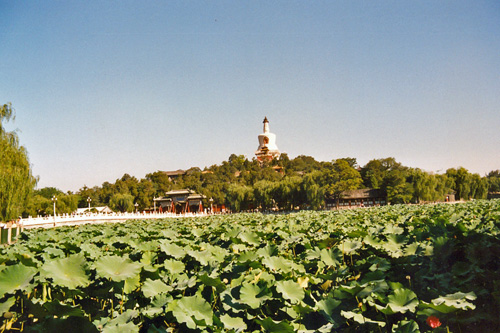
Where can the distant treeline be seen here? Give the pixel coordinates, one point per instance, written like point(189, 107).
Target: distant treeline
point(284, 183)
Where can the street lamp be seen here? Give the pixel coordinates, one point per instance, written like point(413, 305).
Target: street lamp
point(54, 199)
point(211, 205)
point(136, 204)
point(154, 204)
point(89, 200)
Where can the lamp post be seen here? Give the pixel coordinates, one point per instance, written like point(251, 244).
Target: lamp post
point(211, 205)
point(54, 199)
point(136, 205)
point(154, 204)
point(89, 200)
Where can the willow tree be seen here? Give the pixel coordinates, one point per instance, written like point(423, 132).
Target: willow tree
point(16, 180)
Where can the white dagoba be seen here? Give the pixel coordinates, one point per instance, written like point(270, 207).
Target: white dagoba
point(267, 149)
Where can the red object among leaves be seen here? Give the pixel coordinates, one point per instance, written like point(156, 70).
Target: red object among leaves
point(433, 321)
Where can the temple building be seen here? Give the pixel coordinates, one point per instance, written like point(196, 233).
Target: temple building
point(267, 149)
point(181, 202)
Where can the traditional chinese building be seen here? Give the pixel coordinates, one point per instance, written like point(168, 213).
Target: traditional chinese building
point(366, 197)
point(267, 149)
point(180, 202)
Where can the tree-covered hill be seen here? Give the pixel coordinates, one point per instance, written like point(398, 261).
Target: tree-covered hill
point(242, 184)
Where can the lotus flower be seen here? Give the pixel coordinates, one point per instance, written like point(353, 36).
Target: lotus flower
point(433, 321)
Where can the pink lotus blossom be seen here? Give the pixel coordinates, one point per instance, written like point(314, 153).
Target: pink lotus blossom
point(433, 321)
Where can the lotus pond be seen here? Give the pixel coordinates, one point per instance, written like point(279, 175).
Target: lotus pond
point(386, 269)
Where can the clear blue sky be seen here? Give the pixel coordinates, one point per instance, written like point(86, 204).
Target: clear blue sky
point(103, 88)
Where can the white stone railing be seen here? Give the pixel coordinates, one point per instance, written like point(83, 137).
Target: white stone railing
point(66, 219)
point(13, 229)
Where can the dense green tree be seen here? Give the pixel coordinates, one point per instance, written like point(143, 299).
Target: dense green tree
point(239, 197)
point(93, 193)
point(263, 193)
point(493, 181)
point(16, 180)
point(314, 193)
point(146, 193)
point(375, 172)
point(479, 187)
point(341, 177)
point(127, 184)
point(161, 182)
point(106, 192)
point(41, 202)
point(38, 205)
point(303, 164)
point(122, 202)
point(288, 194)
point(461, 181)
point(424, 185)
point(398, 190)
point(191, 180)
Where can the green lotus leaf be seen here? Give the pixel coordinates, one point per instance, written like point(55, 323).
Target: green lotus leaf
point(120, 328)
point(391, 229)
point(131, 284)
point(69, 324)
point(290, 290)
point(379, 264)
point(250, 238)
point(253, 295)
point(372, 240)
point(174, 266)
point(168, 233)
point(230, 303)
point(270, 325)
point(411, 249)
point(231, 323)
point(267, 251)
point(360, 319)
point(91, 250)
point(402, 300)
point(148, 259)
point(326, 307)
point(172, 249)
point(278, 264)
point(161, 300)
point(54, 252)
point(218, 253)
point(331, 257)
point(117, 268)
point(406, 326)
point(452, 302)
point(203, 257)
point(212, 282)
point(350, 246)
point(394, 245)
point(194, 311)
point(197, 233)
point(16, 277)
point(122, 323)
point(184, 281)
point(5, 306)
point(152, 288)
point(313, 254)
point(67, 272)
point(458, 300)
point(59, 309)
point(374, 286)
point(248, 256)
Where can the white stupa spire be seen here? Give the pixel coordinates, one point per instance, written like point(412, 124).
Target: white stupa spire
point(267, 149)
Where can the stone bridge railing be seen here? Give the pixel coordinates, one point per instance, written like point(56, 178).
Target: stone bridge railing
point(10, 231)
